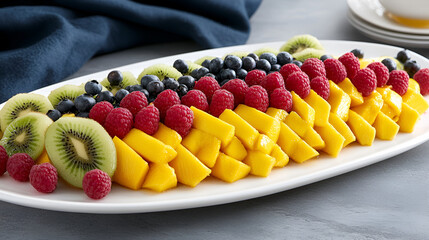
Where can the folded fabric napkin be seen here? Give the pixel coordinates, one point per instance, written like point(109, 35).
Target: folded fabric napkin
point(42, 42)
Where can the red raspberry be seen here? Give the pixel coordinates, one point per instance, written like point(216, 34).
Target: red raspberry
point(3, 160)
point(96, 184)
point(352, 64)
point(288, 69)
point(422, 77)
point(381, 71)
point(179, 118)
point(314, 67)
point(197, 99)
point(272, 81)
point(335, 70)
point(208, 86)
point(257, 97)
point(282, 99)
point(238, 88)
point(255, 77)
point(222, 99)
point(399, 81)
point(321, 86)
point(19, 166)
point(147, 120)
point(119, 122)
point(365, 81)
point(299, 83)
point(134, 101)
point(100, 110)
point(165, 100)
point(44, 177)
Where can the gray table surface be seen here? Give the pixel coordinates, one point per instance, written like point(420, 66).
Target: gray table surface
point(387, 200)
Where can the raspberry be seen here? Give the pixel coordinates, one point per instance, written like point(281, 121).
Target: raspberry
point(254, 77)
point(313, 67)
point(147, 120)
point(3, 160)
point(257, 97)
point(208, 86)
point(321, 86)
point(399, 81)
point(100, 110)
point(179, 118)
point(238, 88)
point(299, 83)
point(119, 122)
point(422, 77)
point(96, 184)
point(272, 81)
point(288, 69)
point(134, 101)
point(335, 70)
point(197, 99)
point(282, 99)
point(365, 81)
point(19, 166)
point(352, 64)
point(44, 177)
point(222, 99)
point(381, 72)
point(165, 100)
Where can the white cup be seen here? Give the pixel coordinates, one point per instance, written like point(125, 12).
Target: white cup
point(412, 9)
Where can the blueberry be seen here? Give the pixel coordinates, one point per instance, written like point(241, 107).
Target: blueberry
point(232, 62)
point(389, 63)
point(120, 94)
point(151, 99)
point(270, 57)
point(210, 75)
point(105, 96)
point(83, 114)
point(146, 93)
point(189, 81)
point(324, 57)
point(134, 88)
point(54, 114)
point(182, 90)
point(93, 87)
point(201, 72)
point(254, 56)
point(227, 74)
point(115, 78)
point(411, 67)
point(248, 63)
point(216, 64)
point(275, 67)
point(170, 83)
point(181, 66)
point(298, 63)
point(65, 106)
point(358, 53)
point(263, 64)
point(147, 79)
point(155, 87)
point(224, 81)
point(206, 63)
point(403, 56)
point(84, 102)
point(284, 58)
point(194, 73)
point(241, 73)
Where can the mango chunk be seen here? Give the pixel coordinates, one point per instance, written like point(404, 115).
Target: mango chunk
point(203, 145)
point(408, 118)
point(304, 110)
point(229, 169)
point(43, 158)
point(243, 130)
point(415, 100)
point(168, 136)
point(303, 152)
point(282, 159)
point(189, 170)
point(339, 101)
point(160, 177)
point(307, 133)
point(276, 113)
point(355, 96)
point(235, 149)
point(364, 62)
point(321, 108)
point(385, 127)
point(392, 102)
point(364, 132)
point(213, 125)
point(260, 163)
point(342, 128)
point(414, 85)
point(334, 141)
point(264, 144)
point(260, 121)
point(150, 148)
point(370, 108)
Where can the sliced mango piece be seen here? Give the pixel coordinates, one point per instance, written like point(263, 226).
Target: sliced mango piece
point(339, 101)
point(282, 159)
point(414, 85)
point(43, 158)
point(408, 118)
point(276, 113)
point(342, 128)
point(364, 62)
point(229, 169)
point(203, 145)
point(168, 136)
point(260, 163)
point(243, 130)
point(370, 108)
point(264, 144)
point(304, 110)
point(160, 177)
point(334, 141)
point(235, 149)
point(392, 102)
point(307, 133)
point(385, 127)
point(364, 132)
point(303, 152)
point(355, 96)
point(321, 108)
point(415, 100)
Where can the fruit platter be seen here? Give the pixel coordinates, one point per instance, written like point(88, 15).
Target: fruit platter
point(211, 127)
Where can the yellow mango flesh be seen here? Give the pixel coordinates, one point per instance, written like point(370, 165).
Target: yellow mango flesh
point(408, 118)
point(235, 149)
point(392, 102)
point(203, 145)
point(282, 159)
point(43, 158)
point(355, 96)
point(303, 152)
point(229, 169)
point(321, 108)
point(342, 128)
point(131, 169)
point(264, 144)
point(160, 177)
point(385, 127)
point(339, 101)
point(364, 62)
point(189, 170)
point(370, 108)
point(304, 110)
point(276, 113)
point(307, 133)
point(168, 136)
point(260, 163)
point(415, 100)
point(414, 85)
point(333, 139)
point(243, 130)
point(364, 132)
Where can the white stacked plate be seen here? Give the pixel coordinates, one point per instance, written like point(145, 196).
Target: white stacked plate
point(369, 17)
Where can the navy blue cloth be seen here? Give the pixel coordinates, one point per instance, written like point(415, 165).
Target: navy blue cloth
point(42, 42)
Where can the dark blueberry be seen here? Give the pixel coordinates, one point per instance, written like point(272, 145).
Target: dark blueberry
point(83, 114)
point(206, 63)
point(254, 56)
point(93, 87)
point(224, 81)
point(65, 106)
point(358, 53)
point(115, 78)
point(105, 96)
point(182, 90)
point(181, 66)
point(411, 67)
point(275, 67)
point(216, 64)
point(241, 73)
point(210, 75)
point(194, 73)
point(120, 94)
point(248, 63)
point(403, 56)
point(84, 102)
point(389, 63)
point(284, 58)
point(146, 93)
point(324, 57)
point(232, 62)
point(227, 74)
point(151, 99)
point(134, 88)
point(147, 79)
point(201, 72)
point(270, 57)
point(298, 63)
point(155, 87)
point(189, 81)
point(54, 114)
point(263, 64)
point(170, 83)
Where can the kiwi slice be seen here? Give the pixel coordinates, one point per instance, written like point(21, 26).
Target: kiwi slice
point(65, 92)
point(192, 66)
point(265, 50)
point(78, 145)
point(21, 104)
point(161, 71)
point(128, 79)
point(308, 53)
point(240, 54)
point(301, 42)
point(26, 134)
point(200, 61)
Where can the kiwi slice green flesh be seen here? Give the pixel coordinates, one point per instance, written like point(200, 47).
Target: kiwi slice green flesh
point(266, 50)
point(65, 92)
point(240, 54)
point(26, 134)
point(161, 71)
point(21, 104)
point(200, 61)
point(192, 66)
point(308, 53)
point(301, 42)
point(128, 79)
point(78, 145)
